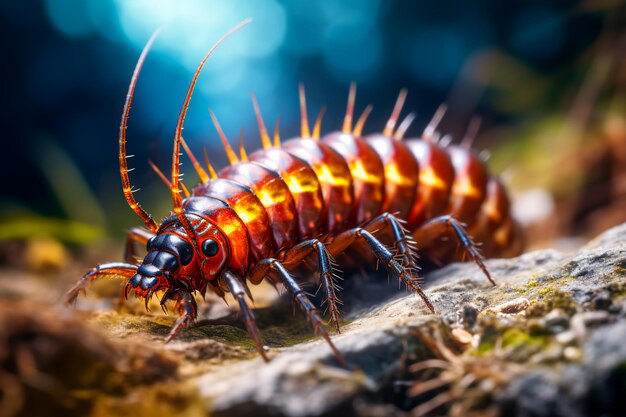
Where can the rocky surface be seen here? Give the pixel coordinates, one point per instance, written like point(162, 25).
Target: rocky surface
point(548, 340)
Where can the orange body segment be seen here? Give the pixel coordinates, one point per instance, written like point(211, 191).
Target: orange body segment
point(333, 174)
point(275, 196)
point(249, 209)
point(401, 174)
point(469, 187)
point(367, 174)
point(436, 175)
point(494, 212)
point(302, 182)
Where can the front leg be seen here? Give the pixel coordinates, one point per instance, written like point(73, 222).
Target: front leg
point(111, 269)
point(238, 290)
point(187, 309)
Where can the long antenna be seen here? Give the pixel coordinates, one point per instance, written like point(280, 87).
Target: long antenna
point(178, 201)
point(126, 187)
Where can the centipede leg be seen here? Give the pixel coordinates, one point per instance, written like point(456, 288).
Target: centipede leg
point(187, 309)
point(434, 228)
point(270, 266)
point(111, 269)
point(403, 242)
point(383, 255)
point(324, 263)
point(135, 236)
point(238, 291)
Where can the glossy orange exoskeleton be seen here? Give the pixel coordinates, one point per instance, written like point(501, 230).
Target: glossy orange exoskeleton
point(263, 215)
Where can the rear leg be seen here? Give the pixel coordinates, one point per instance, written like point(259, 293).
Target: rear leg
point(433, 229)
point(407, 275)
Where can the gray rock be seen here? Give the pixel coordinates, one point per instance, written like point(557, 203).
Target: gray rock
point(304, 379)
point(596, 387)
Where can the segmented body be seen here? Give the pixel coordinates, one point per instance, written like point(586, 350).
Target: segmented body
point(312, 188)
point(265, 214)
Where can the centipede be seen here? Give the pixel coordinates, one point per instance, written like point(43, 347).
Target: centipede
point(309, 200)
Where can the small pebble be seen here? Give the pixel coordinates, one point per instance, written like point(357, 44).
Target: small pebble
point(468, 316)
point(462, 336)
point(595, 318)
point(572, 353)
point(535, 326)
point(552, 353)
point(566, 338)
point(510, 307)
point(581, 321)
point(556, 321)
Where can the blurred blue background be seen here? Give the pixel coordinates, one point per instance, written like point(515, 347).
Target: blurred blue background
point(67, 64)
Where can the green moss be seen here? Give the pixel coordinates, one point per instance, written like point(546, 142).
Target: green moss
point(519, 290)
point(280, 336)
point(536, 309)
point(485, 347)
point(546, 290)
point(532, 284)
point(517, 337)
point(552, 297)
point(491, 329)
point(227, 334)
point(559, 299)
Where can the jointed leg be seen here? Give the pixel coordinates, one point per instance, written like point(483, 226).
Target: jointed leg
point(272, 266)
point(434, 228)
point(383, 255)
point(238, 291)
point(111, 269)
point(186, 308)
point(403, 242)
point(324, 264)
point(136, 235)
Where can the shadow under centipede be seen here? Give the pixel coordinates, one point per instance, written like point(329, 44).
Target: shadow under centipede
point(282, 324)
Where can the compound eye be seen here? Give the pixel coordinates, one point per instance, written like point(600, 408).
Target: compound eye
point(210, 247)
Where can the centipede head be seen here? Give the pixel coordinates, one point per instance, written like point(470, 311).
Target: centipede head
point(176, 260)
